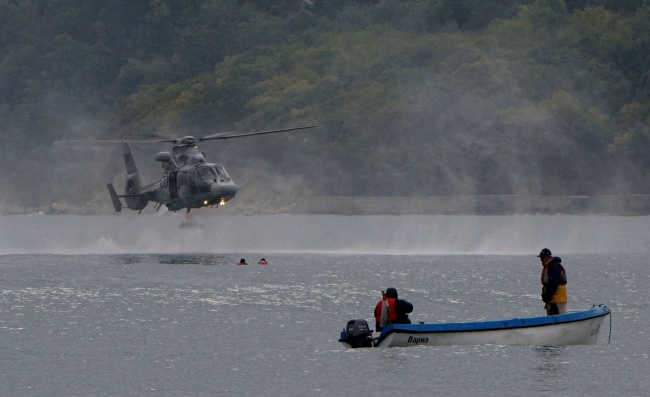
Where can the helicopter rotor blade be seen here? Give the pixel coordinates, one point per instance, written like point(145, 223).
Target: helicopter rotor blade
point(225, 135)
point(97, 141)
point(188, 140)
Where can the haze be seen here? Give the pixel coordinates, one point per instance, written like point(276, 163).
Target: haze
point(372, 235)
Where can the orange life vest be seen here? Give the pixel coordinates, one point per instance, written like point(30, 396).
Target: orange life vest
point(392, 313)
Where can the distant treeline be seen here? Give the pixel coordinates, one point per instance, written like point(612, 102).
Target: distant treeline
point(421, 97)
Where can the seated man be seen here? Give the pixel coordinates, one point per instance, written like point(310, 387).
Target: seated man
point(398, 310)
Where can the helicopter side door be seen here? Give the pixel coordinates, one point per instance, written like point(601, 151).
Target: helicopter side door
point(183, 184)
point(173, 187)
point(194, 188)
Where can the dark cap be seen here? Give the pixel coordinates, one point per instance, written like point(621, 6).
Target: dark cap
point(391, 293)
point(545, 252)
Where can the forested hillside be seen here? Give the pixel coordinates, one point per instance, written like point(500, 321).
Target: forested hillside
point(420, 97)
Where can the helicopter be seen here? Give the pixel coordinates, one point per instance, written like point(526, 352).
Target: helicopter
point(188, 181)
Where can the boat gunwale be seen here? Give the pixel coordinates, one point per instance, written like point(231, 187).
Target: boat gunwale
point(496, 325)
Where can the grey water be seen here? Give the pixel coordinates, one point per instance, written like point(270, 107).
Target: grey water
point(138, 306)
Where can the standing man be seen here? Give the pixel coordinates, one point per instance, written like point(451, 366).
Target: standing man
point(553, 283)
point(396, 310)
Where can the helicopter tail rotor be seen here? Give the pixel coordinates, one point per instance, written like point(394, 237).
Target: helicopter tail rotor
point(134, 199)
point(117, 204)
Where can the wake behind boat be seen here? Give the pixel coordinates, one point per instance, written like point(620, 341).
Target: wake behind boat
point(574, 328)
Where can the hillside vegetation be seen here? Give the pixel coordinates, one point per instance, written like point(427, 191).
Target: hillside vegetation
point(413, 98)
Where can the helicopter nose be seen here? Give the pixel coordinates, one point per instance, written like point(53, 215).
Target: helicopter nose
point(224, 190)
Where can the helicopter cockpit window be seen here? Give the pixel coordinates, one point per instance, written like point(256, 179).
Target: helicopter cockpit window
point(221, 172)
point(207, 174)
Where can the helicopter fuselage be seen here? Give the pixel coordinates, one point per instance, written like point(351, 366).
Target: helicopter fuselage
point(194, 186)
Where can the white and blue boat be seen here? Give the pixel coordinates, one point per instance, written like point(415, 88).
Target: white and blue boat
point(573, 328)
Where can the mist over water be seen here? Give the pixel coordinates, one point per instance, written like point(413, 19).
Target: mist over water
point(390, 235)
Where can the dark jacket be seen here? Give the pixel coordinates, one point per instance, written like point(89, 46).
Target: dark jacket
point(403, 308)
point(553, 276)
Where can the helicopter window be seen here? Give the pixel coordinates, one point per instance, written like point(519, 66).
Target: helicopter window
point(221, 172)
point(207, 173)
point(202, 178)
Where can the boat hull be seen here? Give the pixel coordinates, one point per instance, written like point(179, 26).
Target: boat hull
point(576, 328)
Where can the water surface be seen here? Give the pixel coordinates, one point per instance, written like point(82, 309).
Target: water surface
point(74, 322)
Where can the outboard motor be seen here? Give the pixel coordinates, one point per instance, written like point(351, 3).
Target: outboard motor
point(357, 334)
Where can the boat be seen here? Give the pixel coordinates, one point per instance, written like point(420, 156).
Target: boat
point(573, 328)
